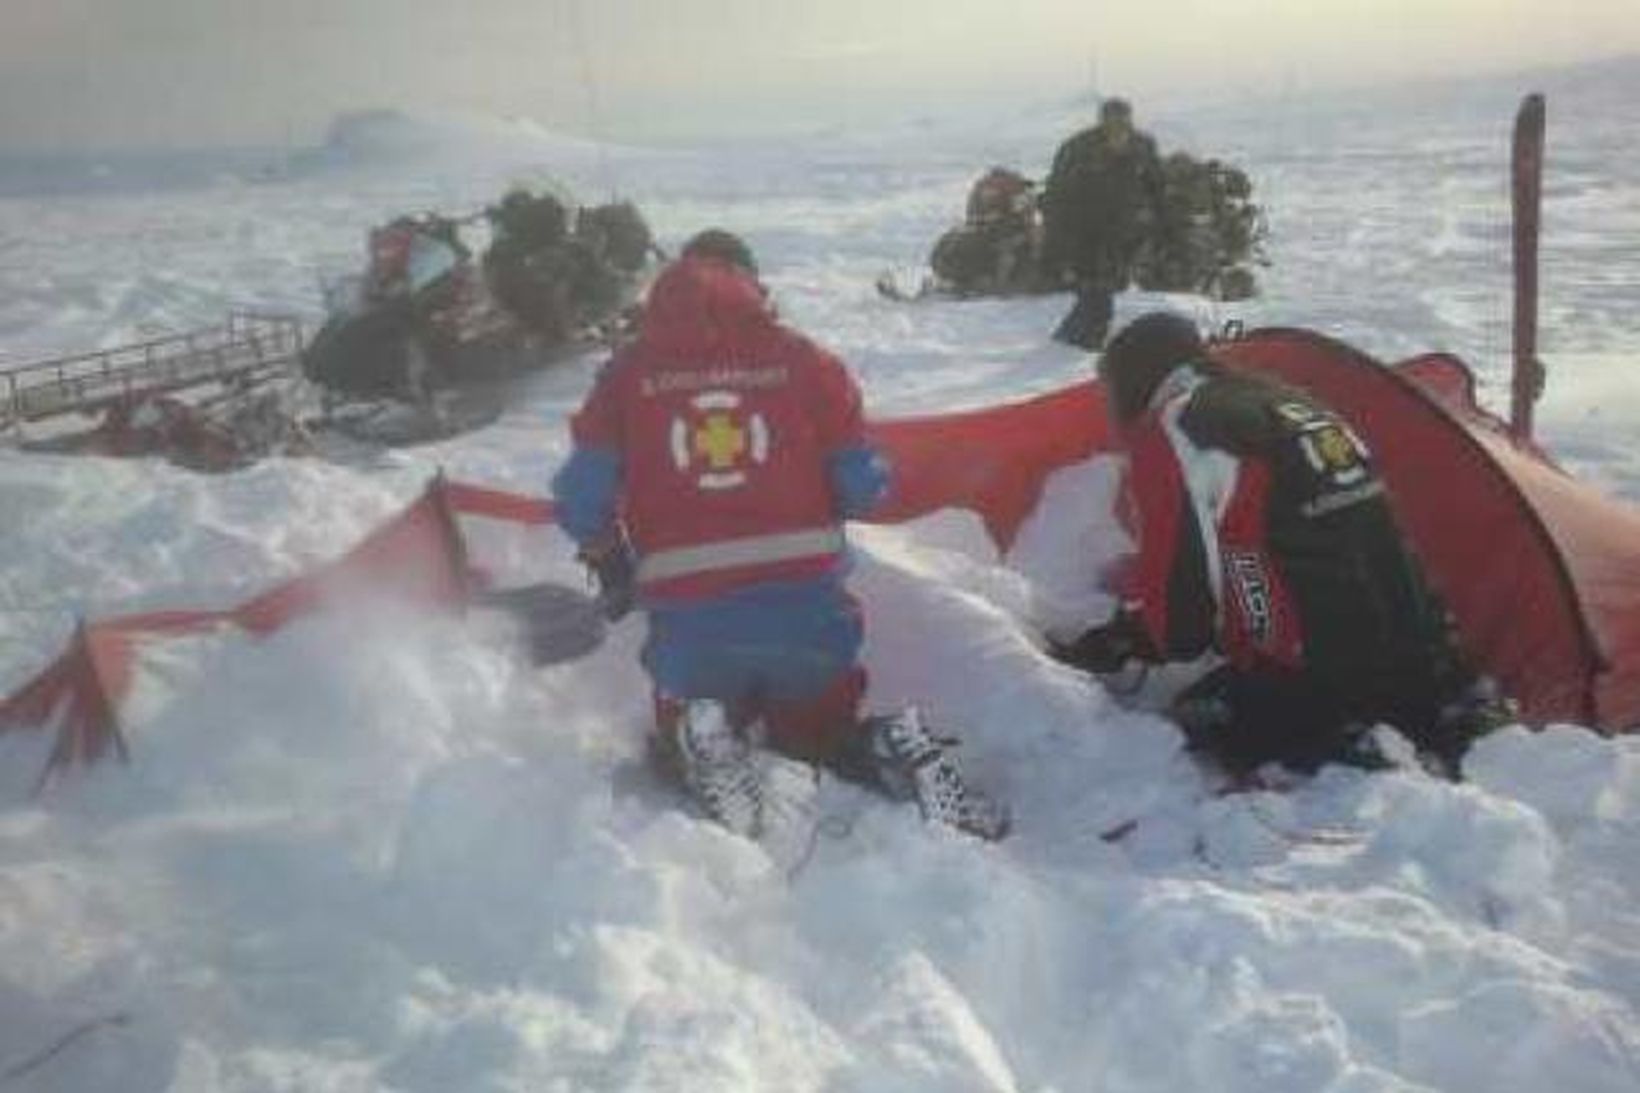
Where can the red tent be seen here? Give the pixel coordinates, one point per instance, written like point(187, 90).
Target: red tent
point(992, 461)
point(1541, 571)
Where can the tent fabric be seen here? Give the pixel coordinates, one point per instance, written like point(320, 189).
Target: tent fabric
point(991, 461)
point(1599, 541)
point(1542, 573)
point(418, 556)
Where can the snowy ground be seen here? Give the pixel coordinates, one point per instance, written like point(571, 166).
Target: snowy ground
point(383, 852)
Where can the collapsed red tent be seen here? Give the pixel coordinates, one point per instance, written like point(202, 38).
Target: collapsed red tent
point(991, 461)
point(1542, 572)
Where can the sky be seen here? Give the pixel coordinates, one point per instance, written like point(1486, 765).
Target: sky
point(136, 73)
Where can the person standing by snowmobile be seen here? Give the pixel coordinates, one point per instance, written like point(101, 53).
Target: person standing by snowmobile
point(714, 463)
point(1103, 193)
point(1264, 535)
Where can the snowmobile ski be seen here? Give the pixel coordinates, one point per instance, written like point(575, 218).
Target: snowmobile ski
point(890, 286)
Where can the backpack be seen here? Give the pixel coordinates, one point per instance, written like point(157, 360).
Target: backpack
point(1000, 195)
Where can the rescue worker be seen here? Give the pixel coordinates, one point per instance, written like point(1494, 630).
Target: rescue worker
point(1264, 535)
point(1103, 192)
point(714, 463)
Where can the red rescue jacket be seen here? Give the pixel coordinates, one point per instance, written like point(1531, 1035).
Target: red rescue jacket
point(723, 421)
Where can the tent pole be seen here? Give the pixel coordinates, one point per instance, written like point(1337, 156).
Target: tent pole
point(1526, 382)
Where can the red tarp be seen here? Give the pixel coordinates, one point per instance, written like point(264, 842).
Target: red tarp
point(1541, 572)
point(416, 556)
point(992, 461)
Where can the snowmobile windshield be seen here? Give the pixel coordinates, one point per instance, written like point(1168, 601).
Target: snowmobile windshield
point(430, 259)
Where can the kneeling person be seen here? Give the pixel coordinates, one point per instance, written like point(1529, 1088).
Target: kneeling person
point(714, 463)
point(1264, 534)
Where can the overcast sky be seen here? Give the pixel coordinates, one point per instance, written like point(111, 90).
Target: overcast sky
point(144, 72)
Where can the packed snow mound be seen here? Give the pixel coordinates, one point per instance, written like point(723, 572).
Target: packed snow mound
point(391, 136)
point(381, 851)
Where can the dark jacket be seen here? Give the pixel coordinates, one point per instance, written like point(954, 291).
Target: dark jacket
point(1265, 533)
point(1097, 203)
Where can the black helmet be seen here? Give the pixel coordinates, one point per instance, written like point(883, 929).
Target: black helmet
point(721, 246)
point(1141, 355)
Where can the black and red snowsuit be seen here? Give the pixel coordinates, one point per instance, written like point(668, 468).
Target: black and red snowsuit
point(1264, 534)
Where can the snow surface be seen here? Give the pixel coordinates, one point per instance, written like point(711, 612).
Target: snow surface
point(383, 852)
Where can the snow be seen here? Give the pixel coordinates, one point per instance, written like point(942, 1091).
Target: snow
point(383, 852)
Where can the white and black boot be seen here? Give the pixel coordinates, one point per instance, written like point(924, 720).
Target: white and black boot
point(913, 765)
point(719, 768)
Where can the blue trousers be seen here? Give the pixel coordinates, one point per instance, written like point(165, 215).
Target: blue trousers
point(784, 651)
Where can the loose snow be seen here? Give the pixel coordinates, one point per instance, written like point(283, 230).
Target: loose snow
point(382, 851)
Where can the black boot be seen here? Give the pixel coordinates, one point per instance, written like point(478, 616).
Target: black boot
point(909, 763)
point(1088, 320)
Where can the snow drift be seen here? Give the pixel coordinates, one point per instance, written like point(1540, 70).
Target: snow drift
point(379, 850)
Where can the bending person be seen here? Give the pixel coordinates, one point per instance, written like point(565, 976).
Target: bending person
point(1264, 535)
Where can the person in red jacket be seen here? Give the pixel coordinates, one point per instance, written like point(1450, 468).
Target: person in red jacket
point(1265, 536)
point(714, 463)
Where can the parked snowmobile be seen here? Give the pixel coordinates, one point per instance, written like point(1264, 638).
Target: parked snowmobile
point(419, 319)
point(431, 329)
point(996, 250)
point(1206, 237)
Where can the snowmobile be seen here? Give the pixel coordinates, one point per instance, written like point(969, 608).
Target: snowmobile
point(422, 343)
point(418, 321)
point(1206, 238)
point(995, 251)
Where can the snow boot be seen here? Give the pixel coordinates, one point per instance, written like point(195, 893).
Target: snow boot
point(911, 764)
point(719, 769)
point(1088, 320)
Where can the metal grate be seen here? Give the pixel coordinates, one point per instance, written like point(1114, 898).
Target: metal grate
point(247, 347)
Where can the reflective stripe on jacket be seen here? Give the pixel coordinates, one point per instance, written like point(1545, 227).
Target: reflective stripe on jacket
point(718, 439)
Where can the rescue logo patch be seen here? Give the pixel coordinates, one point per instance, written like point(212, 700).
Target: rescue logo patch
point(718, 441)
point(1334, 452)
point(1250, 583)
